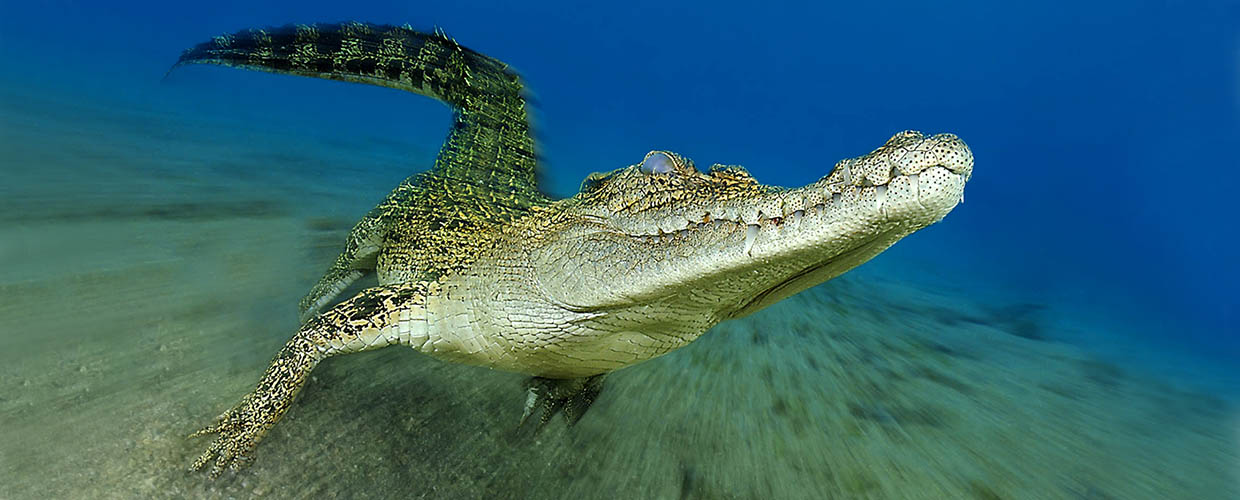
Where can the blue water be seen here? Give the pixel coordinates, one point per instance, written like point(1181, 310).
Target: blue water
point(1105, 133)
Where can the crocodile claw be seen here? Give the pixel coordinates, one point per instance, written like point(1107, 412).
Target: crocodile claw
point(239, 431)
point(572, 396)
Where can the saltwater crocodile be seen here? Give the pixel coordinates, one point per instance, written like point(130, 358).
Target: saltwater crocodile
point(476, 265)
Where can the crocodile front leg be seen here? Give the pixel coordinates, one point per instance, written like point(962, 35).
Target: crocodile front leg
point(374, 318)
point(242, 427)
point(355, 260)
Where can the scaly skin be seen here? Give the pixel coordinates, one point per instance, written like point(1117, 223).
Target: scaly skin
point(475, 265)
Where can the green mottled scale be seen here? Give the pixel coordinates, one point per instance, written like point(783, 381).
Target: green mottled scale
point(485, 174)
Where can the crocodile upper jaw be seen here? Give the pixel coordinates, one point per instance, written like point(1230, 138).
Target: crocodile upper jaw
point(731, 257)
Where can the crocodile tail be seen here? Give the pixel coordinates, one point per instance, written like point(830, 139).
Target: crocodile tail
point(430, 64)
point(490, 145)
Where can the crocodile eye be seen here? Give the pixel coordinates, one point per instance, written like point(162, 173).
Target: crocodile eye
point(657, 163)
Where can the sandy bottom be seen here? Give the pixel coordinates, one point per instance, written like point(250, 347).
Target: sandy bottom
point(131, 314)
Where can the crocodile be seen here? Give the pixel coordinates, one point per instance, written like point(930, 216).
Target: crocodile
point(476, 264)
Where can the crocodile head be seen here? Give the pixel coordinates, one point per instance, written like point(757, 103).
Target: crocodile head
point(670, 247)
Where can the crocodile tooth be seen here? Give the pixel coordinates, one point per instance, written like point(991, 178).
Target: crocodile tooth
point(751, 233)
point(912, 183)
point(835, 200)
point(880, 194)
point(844, 167)
point(796, 216)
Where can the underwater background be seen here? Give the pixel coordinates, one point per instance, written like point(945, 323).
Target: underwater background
point(1070, 331)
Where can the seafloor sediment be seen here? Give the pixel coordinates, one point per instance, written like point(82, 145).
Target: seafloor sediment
point(138, 309)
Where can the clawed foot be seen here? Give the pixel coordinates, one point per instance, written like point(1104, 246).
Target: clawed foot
point(239, 431)
point(573, 396)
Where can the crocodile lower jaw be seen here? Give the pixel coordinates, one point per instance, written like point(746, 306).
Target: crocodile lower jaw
point(816, 274)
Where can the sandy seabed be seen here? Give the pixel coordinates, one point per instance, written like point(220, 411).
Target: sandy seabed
point(138, 301)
